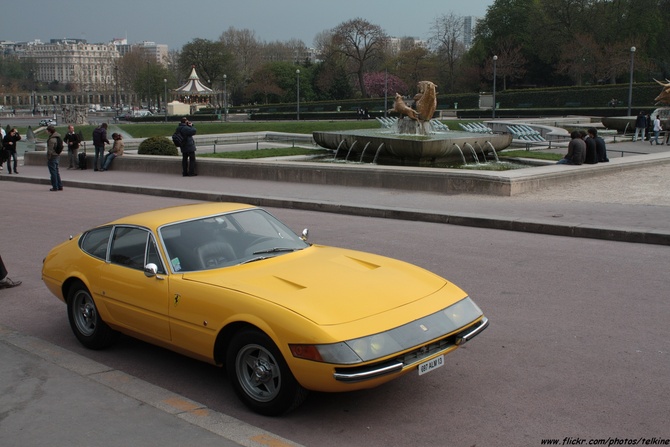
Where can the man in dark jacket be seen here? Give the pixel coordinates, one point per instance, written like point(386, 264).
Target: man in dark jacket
point(591, 157)
point(9, 144)
point(601, 147)
point(187, 148)
point(99, 140)
point(640, 125)
point(576, 150)
point(72, 140)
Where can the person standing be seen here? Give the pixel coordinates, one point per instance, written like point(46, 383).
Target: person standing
point(53, 159)
point(640, 125)
point(576, 150)
point(73, 141)
point(9, 144)
point(187, 130)
point(5, 281)
point(657, 130)
point(99, 140)
point(115, 151)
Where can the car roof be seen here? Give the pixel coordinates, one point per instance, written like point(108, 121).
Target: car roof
point(156, 218)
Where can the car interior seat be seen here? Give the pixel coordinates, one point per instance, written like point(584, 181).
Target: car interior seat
point(215, 254)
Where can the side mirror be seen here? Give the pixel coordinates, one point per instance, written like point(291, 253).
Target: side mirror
point(305, 235)
point(150, 270)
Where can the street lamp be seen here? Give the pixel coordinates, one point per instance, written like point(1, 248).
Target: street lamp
point(630, 84)
point(116, 91)
point(225, 97)
point(297, 75)
point(165, 101)
point(495, 59)
point(149, 85)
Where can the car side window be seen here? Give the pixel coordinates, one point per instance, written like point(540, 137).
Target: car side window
point(153, 255)
point(128, 248)
point(95, 242)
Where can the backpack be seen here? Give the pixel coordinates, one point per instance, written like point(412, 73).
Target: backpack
point(58, 147)
point(177, 138)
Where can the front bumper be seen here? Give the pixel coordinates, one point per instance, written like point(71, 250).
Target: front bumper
point(411, 358)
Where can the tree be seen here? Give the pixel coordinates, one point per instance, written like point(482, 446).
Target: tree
point(278, 82)
point(361, 43)
point(245, 48)
point(211, 60)
point(447, 41)
point(510, 64)
point(414, 63)
point(380, 84)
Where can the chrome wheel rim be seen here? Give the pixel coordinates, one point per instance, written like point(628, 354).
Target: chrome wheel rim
point(258, 373)
point(85, 314)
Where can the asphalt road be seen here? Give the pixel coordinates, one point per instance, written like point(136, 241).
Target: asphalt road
point(578, 344)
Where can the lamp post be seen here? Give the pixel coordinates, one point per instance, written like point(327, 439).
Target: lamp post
point(495, 59)
point(116, 92)
point(165, 100)
point(225, 97)
point(297, 75)
point(149, 85)
point(630, 84)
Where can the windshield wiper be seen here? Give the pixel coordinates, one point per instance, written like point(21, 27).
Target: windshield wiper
point(275, 250)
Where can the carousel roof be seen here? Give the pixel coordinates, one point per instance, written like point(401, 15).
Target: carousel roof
point(193, 86)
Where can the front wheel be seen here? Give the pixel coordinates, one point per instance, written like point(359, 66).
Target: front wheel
point(260, 376)
point(85, 320)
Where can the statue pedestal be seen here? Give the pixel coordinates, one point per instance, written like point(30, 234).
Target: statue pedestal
point(407, 126)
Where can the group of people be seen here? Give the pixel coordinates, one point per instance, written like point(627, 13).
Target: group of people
point(646, 124)
point(585, 147)
point(101, 160)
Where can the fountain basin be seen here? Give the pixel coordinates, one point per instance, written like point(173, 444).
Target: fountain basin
point(438, 145)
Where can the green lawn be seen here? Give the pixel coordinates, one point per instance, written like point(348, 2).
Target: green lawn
point(531, 154)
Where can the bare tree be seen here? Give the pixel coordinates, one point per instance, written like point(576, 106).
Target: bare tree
point(447, 41)
point(242, 43)
point(580, 59)
point(510, 64)
point(361, 43)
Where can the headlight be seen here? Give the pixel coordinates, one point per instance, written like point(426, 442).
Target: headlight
point(403, 337)
point(338, 353)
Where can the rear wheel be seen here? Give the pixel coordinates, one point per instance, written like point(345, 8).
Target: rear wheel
point(85, 320)
point(260, 376)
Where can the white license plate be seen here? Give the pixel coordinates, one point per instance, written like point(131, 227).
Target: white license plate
point(430, 365)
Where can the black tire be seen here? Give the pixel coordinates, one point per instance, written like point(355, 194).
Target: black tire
point(260, 376)
point(85, 320)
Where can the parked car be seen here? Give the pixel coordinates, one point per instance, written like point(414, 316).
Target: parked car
point(233, 286)
point(48, 122)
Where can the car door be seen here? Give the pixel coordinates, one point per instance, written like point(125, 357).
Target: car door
point(133, 300)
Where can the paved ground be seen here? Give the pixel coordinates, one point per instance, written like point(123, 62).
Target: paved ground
point(37, 377)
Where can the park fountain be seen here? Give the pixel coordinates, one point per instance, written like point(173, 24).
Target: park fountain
point(413, 139)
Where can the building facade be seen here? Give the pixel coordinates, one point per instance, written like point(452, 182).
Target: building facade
point(85, 66)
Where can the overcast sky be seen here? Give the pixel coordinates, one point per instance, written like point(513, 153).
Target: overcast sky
point(176, 23)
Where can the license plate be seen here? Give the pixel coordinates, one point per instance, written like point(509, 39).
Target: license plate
point(430, 365)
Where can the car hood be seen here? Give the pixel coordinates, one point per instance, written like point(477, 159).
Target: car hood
point(328, 285)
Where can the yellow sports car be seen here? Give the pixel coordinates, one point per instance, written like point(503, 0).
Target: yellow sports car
point(231, 285)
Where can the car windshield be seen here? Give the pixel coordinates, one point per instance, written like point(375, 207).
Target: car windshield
point(227, 239)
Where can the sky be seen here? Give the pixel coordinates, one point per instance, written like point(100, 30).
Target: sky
point(176, 23)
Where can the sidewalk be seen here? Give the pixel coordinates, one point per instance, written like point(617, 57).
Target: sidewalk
point(67, 400)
